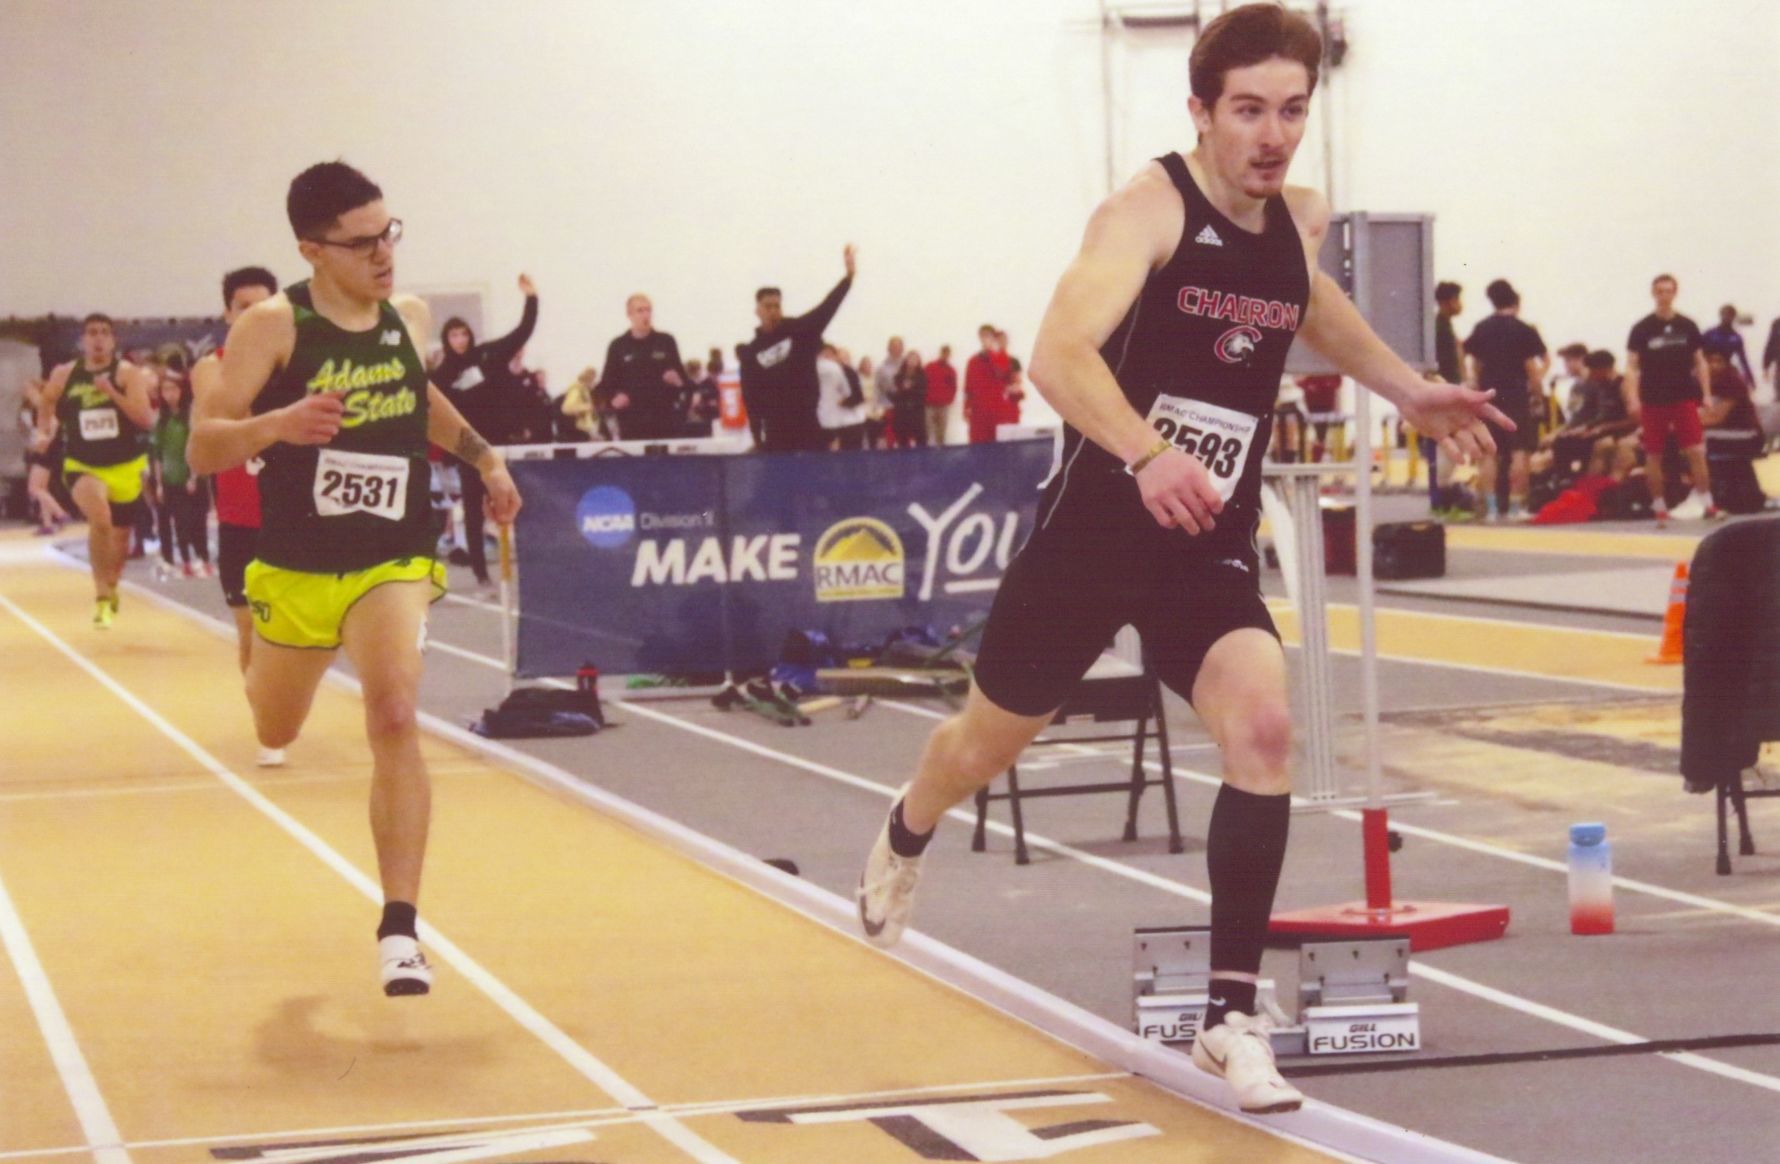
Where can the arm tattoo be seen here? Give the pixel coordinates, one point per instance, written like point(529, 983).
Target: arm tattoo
point(470, 447)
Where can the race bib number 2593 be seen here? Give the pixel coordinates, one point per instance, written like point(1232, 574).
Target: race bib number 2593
point(361, 483)
point(1219, 437)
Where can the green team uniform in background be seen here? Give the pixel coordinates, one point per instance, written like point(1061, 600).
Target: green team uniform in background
point(101, 441)
point(340, 519)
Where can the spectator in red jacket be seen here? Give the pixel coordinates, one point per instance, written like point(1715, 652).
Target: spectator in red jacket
point(986, 379)
point(942, 389)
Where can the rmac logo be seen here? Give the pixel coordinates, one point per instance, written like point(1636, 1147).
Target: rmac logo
point(857, 560)
point(606, 517)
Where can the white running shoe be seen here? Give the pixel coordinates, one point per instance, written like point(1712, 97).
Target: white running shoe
point(1239, 1051)
point(405, 968)
point(269, 758)
point(1693, 509)
point(886, 891)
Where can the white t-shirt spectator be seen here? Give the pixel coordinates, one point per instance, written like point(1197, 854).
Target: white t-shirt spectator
point(833, 388)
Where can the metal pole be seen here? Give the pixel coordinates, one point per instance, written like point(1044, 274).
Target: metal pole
point(509, 599)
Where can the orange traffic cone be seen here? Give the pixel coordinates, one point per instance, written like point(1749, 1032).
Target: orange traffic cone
point(1673, 618)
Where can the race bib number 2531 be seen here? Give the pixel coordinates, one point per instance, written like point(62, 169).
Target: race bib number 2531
point(361, 483)
point(1219, 437)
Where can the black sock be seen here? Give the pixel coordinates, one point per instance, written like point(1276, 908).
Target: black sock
point(904, 842)
point(398, 919)
point(1226, 995)
point(1245, 846)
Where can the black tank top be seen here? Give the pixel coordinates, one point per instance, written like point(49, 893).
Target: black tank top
point(361, 499)
point(95, 430)
point(1200, 354)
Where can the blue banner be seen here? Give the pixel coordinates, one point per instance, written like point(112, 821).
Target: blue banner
point(676, 565)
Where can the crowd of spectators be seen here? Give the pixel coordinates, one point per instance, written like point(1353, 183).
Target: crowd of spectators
point(1674, 432)
point(792, 389)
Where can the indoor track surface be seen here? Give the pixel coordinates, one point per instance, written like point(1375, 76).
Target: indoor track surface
point(191, 973)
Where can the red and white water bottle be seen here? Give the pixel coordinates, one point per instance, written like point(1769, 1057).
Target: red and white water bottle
point(1591, 880)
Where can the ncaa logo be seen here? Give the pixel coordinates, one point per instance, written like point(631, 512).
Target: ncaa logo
point(1238, 344)
point(606, 517)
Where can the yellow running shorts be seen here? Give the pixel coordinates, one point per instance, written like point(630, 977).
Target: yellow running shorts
point(123, 483)
point(293, 608)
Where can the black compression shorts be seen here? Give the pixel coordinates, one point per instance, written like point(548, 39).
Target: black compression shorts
point(234, 549)
point(1071, 588)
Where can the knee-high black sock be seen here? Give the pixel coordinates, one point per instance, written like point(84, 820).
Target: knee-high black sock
point(1244, 849)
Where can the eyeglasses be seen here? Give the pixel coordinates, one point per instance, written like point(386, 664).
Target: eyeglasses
point(367, 246)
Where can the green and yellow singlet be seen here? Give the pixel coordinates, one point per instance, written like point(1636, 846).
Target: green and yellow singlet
point(362, 498)
point(98, 433)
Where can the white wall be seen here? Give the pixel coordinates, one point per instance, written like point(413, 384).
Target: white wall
point(695, 150)
point(1577, 147)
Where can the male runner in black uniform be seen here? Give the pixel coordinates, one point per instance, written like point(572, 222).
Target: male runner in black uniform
point(325, 381)
point(1162, 350)
point(101, 404)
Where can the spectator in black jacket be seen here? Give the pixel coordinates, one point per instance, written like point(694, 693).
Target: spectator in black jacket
point(479, 382)
point(778, 368)
point(645, 377)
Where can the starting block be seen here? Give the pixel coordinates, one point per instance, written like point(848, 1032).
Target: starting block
point(1171, 982)
point(1352, 995)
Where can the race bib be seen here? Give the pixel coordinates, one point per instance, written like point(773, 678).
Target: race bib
point(361, 483)
point(1219, 437)
point(98, 424)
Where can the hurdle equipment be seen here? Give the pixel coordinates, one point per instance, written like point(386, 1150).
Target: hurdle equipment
point(1430, 925)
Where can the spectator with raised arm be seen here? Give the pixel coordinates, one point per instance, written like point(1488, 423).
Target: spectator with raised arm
point(778, 367)
point(477, 380)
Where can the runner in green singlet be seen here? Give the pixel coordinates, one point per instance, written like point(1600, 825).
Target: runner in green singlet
point(103, 408)
point(325, 383)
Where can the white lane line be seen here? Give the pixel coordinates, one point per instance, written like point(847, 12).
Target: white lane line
point(1479, 620)
point(478, 603)
point(595, 1117)
point(1630, 884)
point(289, 780)
point(1180, 889)
point(517, 1008)
point(1332, 1130)
point(102, 793)
point(95, 1119)
point(1589, 1026)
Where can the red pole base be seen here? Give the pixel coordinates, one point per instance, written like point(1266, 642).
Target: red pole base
point(1429, 925)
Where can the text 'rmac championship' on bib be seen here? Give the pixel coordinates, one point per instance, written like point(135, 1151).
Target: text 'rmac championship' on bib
point(1220, 437)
